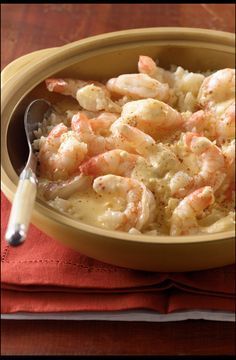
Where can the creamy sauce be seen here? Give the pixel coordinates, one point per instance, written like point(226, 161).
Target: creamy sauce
point(227, 222)
point(88, 207)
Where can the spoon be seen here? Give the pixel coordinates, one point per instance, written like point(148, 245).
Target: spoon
point(25, 195)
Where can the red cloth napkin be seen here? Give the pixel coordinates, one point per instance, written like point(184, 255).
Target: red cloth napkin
point(41, 275)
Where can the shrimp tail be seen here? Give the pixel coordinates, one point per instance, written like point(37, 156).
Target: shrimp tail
point(91, 167)
point(146, 65)
point(56, 85)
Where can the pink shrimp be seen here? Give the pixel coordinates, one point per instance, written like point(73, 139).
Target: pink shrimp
point(138, 86)
point(133, 138)
point(65, 86)
point(217, 88)
point(180, 82)
point(147, 65)
point(196, 122)
point(184, 217)
point(225, 127)
point(210, 160)
point(96, 144)
point(91, 95)
point(213, 124)
point(116, 162)
point(102, 123)
point(139, 203)
point(70, 86)
point(61, 153)
point(96, 98)
point(228, 186)
point(151, 116)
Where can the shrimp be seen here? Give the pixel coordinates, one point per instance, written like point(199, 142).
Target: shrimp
point(184, 85)
point(217, 88)
point(210, 161)
point(60, 153)
point(202, 122)
point(151, 116)
point(70, 86)
point(140, 202)
point(216, 123)
point(95, 98)
point(102, 123)
point(229, 153)
point(91, 95)
point(184, 217)
point(147, 65)
point(225, 127)
point(97, 144)
point(197, 122)
point(88, 131)
point(65, 86)
point(134, 138)
point(180, 80)
point(179, 183)
point(138, 86)
point(228, 186)
point(117, 162)
point(64, 188)
point(159, 156)
point(80, 124)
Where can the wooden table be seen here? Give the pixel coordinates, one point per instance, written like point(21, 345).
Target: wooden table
point(30, 27)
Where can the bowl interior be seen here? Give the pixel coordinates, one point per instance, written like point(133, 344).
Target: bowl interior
point(112, 61)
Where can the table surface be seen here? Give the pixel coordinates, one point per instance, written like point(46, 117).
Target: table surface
point(30, 27)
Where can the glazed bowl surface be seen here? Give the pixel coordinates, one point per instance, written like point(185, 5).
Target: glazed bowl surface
point(98, 58)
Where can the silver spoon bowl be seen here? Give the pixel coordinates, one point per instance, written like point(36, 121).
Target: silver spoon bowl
point(25, 195)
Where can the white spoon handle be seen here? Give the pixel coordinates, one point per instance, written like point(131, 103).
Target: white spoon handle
point(22, 208)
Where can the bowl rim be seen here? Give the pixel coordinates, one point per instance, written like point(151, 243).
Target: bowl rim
point(9, 187)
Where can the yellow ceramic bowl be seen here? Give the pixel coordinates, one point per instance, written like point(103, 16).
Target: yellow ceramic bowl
point(101, 57)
